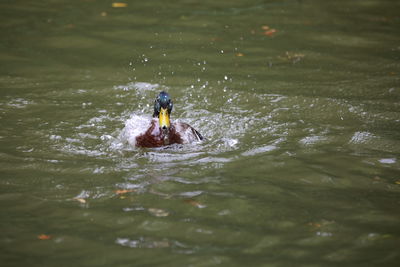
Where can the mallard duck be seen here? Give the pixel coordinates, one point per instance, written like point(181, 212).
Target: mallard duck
point(163, 132)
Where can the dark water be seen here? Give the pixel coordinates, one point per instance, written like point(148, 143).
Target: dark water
point(299, 102)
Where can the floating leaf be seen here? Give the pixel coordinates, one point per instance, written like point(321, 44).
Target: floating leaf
point(377, 178)
point(158, 212)
point(270, 32)
point(81, 200)
point(265, 27)
point(195, 203)
point(216, 39)
point(123, 191)
point(239, 54)
point(119, 4)
point(70, 26)
point(321, 224)
point(44, 237)
point(314, 224)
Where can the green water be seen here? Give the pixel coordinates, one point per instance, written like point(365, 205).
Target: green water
point(302, 120)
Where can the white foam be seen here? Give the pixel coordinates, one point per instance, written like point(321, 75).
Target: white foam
point(361, 137)
point(259, 150)
point(19, 103)
point(136, 125)
point(141, 86)
point(388, 161)
point(312, 140)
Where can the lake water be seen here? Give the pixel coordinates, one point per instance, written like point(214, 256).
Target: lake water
point(299, 102)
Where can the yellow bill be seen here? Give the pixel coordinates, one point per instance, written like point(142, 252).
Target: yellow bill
point(164, 118)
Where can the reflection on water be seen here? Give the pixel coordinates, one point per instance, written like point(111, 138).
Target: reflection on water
point(298, 101)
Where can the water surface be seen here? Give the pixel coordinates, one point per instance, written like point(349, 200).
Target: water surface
point(299, 102)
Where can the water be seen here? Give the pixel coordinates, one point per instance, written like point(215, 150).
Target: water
point(298, 100)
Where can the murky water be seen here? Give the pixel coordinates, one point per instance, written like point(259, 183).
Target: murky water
point(299, 102)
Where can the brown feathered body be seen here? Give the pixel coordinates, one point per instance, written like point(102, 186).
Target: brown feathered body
point(178, 133)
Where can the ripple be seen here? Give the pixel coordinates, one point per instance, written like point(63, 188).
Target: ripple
point(263, 149)
point(191, 194)
point(259, 150)
point(368, 140)
point(141, 86)
point(230, 120)
point(361, 137)
point(388, 161)
point(163, 157)
point(142, 242)
point(312, 140)
point(19, 103)
point(213, 160)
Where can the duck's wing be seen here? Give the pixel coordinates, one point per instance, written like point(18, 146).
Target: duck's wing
point(187, 133)
point(199, 136)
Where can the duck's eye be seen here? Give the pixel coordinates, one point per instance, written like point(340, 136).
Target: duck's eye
point(170, 105)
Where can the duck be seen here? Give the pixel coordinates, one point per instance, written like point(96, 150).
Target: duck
point(162, 131)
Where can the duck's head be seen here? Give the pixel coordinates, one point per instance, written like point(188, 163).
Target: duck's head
point(162, 110)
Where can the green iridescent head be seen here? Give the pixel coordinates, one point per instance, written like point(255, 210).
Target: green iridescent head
point(162, 109)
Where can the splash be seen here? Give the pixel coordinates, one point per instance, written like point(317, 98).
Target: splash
point(134, 126)
point(229, 123)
